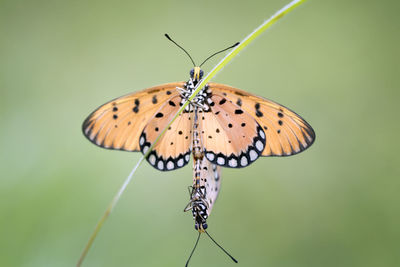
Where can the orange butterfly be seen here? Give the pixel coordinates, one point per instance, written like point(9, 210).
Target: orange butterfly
point(235, 127)
point(227, 126)
point(222, 126)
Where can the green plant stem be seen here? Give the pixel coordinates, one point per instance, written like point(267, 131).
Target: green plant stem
point(246, 41)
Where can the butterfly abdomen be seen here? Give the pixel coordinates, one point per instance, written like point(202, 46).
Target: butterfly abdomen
point(205, 189)
point(199, 212)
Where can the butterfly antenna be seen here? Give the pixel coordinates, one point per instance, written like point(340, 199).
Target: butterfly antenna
point(169, 38)
point(195, 245)
point(219, 52)
point(222, 248)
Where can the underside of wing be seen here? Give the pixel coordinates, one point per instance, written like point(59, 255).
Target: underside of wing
point(286, 132)
point(212, 175)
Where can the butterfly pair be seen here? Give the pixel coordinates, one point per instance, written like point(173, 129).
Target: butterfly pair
point(222, 127)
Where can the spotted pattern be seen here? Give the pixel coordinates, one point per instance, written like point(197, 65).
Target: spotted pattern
point(136, 107)
point(202, 99)
point(119, 123)
point(172, 151)
point(244, 158)
point(132, 122)
point(231, 137)
point(286, 132)
point(204, 192)
point(161, 163)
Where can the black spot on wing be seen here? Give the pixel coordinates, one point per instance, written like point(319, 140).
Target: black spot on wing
point(244, 158)
point(136, 107)
point(258, 112)
point(154, 99)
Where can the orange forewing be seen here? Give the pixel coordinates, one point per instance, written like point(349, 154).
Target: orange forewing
point(286, 132)
point(119, 123)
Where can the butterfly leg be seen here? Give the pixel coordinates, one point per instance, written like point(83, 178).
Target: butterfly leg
point(183, 92)
point(196, 195)
point(189, 206)
point(190, 189)
point(193, 198)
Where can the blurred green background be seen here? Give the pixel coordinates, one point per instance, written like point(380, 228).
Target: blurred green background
point(335, 63)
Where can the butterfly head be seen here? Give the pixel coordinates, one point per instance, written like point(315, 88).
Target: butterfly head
point(196, 74)
point(200, 226)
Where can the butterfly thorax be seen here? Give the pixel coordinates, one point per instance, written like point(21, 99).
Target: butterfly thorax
point(202, 100)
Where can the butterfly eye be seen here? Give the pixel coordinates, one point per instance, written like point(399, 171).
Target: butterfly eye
point(191, 73)
point(201, 73)
point(205, 226)
point(196, 227)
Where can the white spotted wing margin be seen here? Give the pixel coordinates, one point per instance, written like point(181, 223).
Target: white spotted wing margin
point(173, 149)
